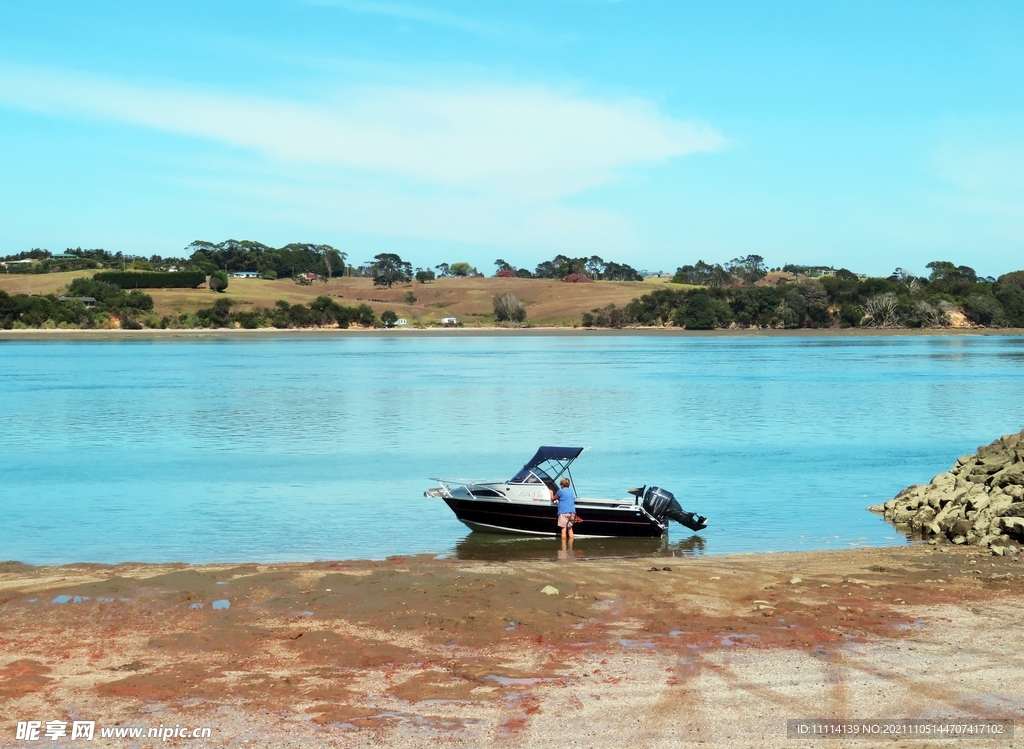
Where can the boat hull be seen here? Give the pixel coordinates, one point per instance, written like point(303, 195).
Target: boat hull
point(542, 520)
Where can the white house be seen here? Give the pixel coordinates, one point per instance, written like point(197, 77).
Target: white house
point(401, 321)
point(245, 274)
point(449, 321)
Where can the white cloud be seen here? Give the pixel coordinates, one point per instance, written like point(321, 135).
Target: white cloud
point(411, 13)
point(475, 163)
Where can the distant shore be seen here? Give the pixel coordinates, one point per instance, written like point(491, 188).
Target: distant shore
point(38, 334)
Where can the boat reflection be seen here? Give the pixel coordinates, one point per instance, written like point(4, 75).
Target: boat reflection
point(494, 547)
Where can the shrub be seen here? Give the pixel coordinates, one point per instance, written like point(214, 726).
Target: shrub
point(506, 273)
point(982, 309)
point(578, 278)
point(388, 318)
point(218, 281)
point(699, 313)
point(269, 275)
point(508, 308)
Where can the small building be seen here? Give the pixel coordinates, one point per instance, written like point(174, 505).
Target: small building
point(245, 274)
point(401, 321)
point(449, 321)
point(88, 301)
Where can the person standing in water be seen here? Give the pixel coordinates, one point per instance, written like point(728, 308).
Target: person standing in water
point(566, 499)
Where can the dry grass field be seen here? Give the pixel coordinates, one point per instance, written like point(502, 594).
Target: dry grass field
point(468, 299)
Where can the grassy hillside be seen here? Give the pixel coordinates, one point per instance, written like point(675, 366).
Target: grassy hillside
point(468, 299)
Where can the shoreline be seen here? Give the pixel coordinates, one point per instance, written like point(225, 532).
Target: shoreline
point(414, 651)
point(265, 333)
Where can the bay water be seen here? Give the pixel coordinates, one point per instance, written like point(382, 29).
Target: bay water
point(296, 449)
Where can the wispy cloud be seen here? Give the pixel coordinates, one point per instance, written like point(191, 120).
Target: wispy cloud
point(506, 155)
point(428, 15)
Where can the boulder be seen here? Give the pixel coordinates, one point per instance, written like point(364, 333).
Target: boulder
point(1012, 476)
point(978, 502)
point(960, 527)
point(1013, 526)
point(1015, 510)
point(922, 517)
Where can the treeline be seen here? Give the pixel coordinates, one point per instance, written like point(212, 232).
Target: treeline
point(98, 305)
point(270, 262)
point(321, 312)
point(563, 268)
point(843, 300)
point(87, 304)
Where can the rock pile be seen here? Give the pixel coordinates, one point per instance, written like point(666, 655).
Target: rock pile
point(979, 502)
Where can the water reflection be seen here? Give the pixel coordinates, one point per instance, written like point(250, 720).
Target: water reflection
point(493, 547)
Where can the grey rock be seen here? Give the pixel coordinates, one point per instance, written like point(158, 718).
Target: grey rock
point(922, 517)
point(1013, 526)
point(1012, 476)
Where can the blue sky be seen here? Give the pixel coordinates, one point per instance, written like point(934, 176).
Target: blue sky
point(867, 135)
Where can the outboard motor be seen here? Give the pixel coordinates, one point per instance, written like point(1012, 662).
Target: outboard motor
point(662, 504)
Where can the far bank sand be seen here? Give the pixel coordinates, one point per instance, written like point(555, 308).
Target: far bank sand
point(713, 652)
point(268, 333)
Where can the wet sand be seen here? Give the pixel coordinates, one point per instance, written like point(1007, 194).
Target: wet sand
point(416, 651)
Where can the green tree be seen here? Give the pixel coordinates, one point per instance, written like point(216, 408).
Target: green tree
point(461, 269)
point(410, 298)
point(388, 318)
point(270, 275)
point(219, 281)
point(334, 261)
point(424, 275)
point(699, 313)
point(389, 269)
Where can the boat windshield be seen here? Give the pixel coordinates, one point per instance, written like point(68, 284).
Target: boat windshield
point(535, 475)
point(546, 466)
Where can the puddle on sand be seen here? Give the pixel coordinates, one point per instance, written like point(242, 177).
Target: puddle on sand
point(635, 643)
point(509, 681)
point(195, 606)
point(915, 623)
point(61, 599)
point(222, 604)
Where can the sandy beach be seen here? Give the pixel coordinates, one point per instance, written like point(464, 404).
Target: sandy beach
point(415, 651)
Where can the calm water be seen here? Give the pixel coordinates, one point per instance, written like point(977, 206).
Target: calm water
point(306, 449)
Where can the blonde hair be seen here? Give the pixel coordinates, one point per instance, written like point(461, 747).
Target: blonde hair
point(565, 482)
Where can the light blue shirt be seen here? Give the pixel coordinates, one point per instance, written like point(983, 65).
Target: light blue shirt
point(566, 500)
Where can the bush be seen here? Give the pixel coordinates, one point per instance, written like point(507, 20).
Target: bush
point(578, 278)
point(269, 275)
point(699, 313)
point(982, 309)
point(152, 280)
point(1012, 299)
point(506, 273)
point(507, 308)
point(218, 281)
point(388, 318)
point(609, 316)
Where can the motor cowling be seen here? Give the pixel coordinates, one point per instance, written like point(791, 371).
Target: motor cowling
point(662, 504)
